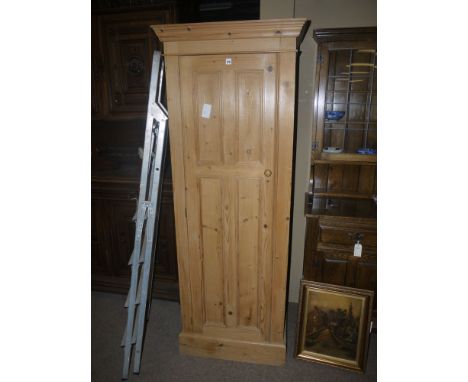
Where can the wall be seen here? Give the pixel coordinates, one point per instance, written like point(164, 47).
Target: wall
point(323, 14)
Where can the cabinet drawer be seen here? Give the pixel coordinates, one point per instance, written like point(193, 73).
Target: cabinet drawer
point(347, 235)
point(346, 251)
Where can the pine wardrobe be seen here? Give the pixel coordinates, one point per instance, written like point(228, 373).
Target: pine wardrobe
point(231, 101)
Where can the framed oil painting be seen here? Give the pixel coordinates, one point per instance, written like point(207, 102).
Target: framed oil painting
point(334, 324)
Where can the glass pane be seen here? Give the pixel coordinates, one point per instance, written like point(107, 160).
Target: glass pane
point(337, 97)
point(334, 136)
point(372, 136)
point(356, 112)
point(355, 138)
point(351, 89)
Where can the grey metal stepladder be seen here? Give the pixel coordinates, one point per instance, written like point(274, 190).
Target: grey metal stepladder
point(147, 219)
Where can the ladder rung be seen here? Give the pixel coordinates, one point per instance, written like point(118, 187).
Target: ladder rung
point(135, 326)
point(138, 295)
point(135, 329)
point(122, 343)
point(127, 300)
point(143, 249)
point(130, 261)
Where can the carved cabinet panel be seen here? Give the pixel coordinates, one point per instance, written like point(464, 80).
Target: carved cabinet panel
point(122, 47)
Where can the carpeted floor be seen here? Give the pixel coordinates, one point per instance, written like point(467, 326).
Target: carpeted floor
point(162, 362)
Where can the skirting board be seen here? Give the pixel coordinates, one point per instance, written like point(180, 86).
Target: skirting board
point(229, 349)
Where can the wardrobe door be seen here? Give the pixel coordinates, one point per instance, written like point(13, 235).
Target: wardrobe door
point(228, 111)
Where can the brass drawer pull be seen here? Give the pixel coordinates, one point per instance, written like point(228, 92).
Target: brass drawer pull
point(268, 173)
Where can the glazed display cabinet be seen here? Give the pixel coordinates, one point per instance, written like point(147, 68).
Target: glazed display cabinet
point(341, 203)
point(346, 96)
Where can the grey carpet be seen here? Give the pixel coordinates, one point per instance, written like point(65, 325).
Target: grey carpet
point(162, 362)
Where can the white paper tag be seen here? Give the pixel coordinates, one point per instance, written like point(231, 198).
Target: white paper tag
point(358, 249)
point(206, 110)
point(229, 61)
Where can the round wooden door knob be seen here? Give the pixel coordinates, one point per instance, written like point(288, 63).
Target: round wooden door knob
point(268, 173)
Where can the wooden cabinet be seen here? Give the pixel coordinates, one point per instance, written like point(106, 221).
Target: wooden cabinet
point(112, 237)
point(123, 46)
point(341, 206)
point(346, 95)
point(122, 49)
point(231, 89)
point(329, 252)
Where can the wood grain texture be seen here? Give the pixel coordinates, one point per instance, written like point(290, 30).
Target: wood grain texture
point(273, 44)
point(328, 255)
point(211, 232)
point(122, 45)
point(346, 180)
point(232, 149)
point(232, 30)
point(235, 172)
point(286, 85)
point(249, 250)
point(345, 34)
point(231, 349)
point(340, 204)
point(178, 179)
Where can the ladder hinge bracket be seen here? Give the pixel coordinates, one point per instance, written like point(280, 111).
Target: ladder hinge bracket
point(157, 113)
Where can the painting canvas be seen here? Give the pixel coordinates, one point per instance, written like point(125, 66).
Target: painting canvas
point(333, 324)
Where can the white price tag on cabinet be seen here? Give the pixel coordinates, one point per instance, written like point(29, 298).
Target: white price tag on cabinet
point(206, 110)
point(358, 249)
point(228, 61)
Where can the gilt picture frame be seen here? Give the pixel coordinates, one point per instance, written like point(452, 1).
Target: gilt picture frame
point(333, 325)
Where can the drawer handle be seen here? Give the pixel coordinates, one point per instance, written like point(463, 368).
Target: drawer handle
point(267, 173)
point(356, 236)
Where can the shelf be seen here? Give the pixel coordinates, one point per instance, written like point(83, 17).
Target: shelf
point(353, 91)
point(349, 103)
point(347, 163)
point(344, 207)
point(344, 76)
point(350, 123)
point(350, 128)
point(322, 193)
point(346, 157)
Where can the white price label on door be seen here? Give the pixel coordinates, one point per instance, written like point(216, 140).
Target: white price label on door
point(206, 111)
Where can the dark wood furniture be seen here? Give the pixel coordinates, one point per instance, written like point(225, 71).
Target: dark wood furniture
point(122, 47)
point(341, 205)
point(333, 227)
